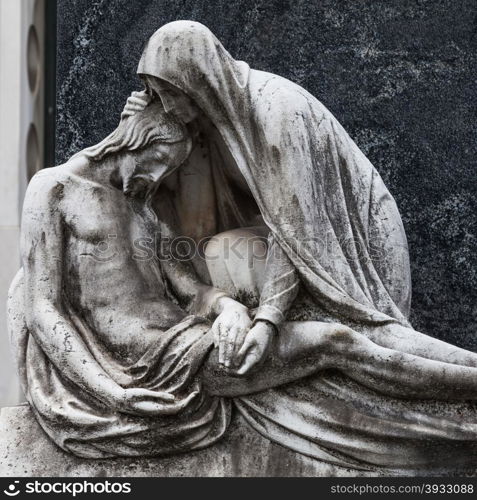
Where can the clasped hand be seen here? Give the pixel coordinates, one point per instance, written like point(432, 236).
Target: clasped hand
point(242, 345)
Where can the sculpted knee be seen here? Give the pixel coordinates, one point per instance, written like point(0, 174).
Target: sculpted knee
point(217, 245)
point(236, 245)
point(338, 337)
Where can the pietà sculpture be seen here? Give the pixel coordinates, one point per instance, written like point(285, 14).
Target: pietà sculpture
point(290, 304)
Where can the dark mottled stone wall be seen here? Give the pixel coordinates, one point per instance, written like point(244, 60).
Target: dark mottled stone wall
point(400, 76)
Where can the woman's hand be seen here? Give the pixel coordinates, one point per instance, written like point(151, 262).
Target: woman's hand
point(256, 347)
point(230, 329)
point(136, 102)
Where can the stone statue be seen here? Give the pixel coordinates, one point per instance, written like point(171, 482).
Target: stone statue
point(290, 305)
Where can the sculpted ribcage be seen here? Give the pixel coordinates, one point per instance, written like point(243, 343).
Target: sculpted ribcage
point(102, 269)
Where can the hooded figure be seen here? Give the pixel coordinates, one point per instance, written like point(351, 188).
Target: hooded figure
point(321, 198)
point(277, 152)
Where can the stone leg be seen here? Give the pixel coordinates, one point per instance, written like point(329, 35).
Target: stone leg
point(401, 338)
point(305, 348)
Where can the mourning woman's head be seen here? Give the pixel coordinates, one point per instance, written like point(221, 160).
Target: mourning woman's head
point(174, 100)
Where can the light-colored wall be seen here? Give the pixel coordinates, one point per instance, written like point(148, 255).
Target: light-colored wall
point(21, 115)
point(10, 177)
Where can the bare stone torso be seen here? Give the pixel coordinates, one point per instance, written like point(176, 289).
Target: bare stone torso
point(110, 272)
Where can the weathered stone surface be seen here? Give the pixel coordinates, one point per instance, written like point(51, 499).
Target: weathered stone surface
point(25, 450)
point(123, 355)
point(399, 77)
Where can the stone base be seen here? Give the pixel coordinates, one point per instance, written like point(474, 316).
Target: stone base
point(25, 450)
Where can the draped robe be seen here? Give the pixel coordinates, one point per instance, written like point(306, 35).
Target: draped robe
point(338, 226)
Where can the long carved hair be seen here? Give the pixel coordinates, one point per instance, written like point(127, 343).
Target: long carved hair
point(138, 131)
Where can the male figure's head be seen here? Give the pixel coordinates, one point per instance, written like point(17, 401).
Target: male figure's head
point(148, 145)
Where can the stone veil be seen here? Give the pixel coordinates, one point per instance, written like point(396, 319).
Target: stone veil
point(331, 215)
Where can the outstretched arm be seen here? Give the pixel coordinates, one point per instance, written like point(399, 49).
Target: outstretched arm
point(42, 247)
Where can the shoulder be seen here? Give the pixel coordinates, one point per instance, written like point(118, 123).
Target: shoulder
point(47, 184)
point(281, 106)
point(45, 193)
point(278, 95)
point(52, 183)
